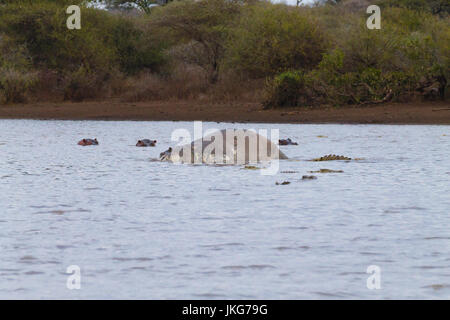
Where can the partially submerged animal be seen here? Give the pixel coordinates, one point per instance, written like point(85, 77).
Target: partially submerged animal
point(88, 142)
point(228, 146)
point(326, 171)
point(165, 156)
point(287, 142)
point(146, 143)
point(282, 183)
point(330, 157)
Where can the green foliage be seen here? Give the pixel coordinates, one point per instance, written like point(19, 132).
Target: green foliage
point(13, 56)
point(143, 5)
point(104, 46)
point(205, 23)
point(56, 2)
point(269, 39)
point(284, 90)
point(308, 55)
point(16, 80)
point(15, 85)
point(372, 66)
point(105, 42)
point(135, 47)
point(441, 7)
point(332, 63)
point(369, 85)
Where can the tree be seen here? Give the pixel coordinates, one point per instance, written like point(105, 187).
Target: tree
point(143, 5)
point(58, 2)
point(438, 7)
point(269, 39)
point(204, 25)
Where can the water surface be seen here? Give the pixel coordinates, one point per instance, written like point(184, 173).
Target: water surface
point(141, 229)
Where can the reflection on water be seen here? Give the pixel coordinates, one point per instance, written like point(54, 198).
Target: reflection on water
point(146, 229)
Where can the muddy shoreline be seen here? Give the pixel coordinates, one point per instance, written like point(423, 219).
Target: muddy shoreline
point(393, 113)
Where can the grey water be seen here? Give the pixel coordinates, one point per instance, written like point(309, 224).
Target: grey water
point(143, 229)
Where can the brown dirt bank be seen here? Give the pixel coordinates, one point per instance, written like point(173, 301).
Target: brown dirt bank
point(407, 113)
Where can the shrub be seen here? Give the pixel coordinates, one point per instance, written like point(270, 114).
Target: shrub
point(329, 83)
point(185, 82)
point(439, 7)
point(84, 59)
point(270, 39)
point(284, 90)
point(16, 79)
point(223, 50)
point(202, 24)
point(83, 84)
point(15, 85)
point(137, 47)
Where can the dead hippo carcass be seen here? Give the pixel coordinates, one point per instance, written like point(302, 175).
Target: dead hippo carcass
point(228, 146)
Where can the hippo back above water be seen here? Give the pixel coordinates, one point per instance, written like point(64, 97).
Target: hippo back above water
point(232, 147)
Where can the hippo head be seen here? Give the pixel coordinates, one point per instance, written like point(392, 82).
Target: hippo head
point(286, 142)
point(165, 156)
point(88, 142)
point(146, 143)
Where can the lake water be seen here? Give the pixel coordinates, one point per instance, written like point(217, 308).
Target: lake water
point(144, 229)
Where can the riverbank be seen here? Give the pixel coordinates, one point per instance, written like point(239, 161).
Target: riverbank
point(393, 113)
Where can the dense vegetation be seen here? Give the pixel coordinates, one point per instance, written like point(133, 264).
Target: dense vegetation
point(225, 49)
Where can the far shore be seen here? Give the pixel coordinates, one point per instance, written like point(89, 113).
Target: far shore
point(437, 112)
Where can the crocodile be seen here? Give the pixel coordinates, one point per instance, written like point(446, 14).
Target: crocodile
point(331, 157)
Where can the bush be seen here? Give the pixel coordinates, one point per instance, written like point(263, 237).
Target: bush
point(185, 82)
point(331, 84)
point(439, 7)
point(83, 84)
point(270, 39)
point(137, 47)
point(284, 90)
point(223, 50)
point(202, 25)
point(84, 59)
point(15, 86)
point(16, 79)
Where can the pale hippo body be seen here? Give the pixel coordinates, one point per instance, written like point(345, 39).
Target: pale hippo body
point(232, 146)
